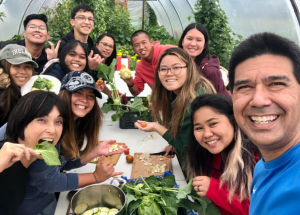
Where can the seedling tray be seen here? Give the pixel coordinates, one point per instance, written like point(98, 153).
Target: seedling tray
point(129, 118)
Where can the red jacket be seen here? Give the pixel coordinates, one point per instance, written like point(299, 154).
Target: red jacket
point(144, 71)
point(220, 196)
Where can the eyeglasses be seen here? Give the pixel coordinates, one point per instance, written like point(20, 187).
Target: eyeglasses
point(83, 18)
point(34, 27)
point(175, 70)
point(106, 45)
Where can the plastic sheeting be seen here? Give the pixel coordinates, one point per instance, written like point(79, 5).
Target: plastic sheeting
point(245, 17)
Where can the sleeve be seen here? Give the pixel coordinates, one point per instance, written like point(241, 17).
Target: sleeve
point(214, 75)
point(182, 137)
point(49, 179)
point(138, 80)
point(72, 164)
point(220, 197)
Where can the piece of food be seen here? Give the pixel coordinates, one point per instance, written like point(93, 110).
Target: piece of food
point(42, 84)
point(89, 212)
point(117, 101)
point(129, 159)
point(143, 124)
point(81, 208)
point(100, 82)
point(126, 152)
point(104, 209)
point(123, 66)
point(48, 152)
point(125, 73)
point(115, 147)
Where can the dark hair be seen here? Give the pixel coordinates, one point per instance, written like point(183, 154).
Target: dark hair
point(69, 47)
point(204, 31)
point(240, 161)
point(137, 33)
point(264, 43)
point(81, 7)
point(114, 53)
point(42, 17)
point(31, 106)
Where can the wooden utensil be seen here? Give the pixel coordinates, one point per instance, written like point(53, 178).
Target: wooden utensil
point(140, 169)
point(113, 159)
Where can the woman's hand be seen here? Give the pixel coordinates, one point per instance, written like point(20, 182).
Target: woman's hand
point(201, 185)
point(103, 148)
point(128, 81)
point(100, 85)
point(168, 149)
point(104, 171)
point(13, 152)
point(146, 126)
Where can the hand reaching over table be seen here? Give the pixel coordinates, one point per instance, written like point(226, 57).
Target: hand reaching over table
point(104, 171)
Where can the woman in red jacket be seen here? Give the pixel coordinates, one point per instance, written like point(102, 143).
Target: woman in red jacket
point(220, 161)
point(194, 40)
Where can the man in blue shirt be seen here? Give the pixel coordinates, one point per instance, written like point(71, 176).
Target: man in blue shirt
point(264, 77)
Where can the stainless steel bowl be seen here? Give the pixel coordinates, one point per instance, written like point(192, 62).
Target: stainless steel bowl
point(100, 195)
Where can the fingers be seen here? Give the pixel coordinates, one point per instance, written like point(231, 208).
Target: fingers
point(91, 54)
point(57, 46)
point(117, 173)
point(51, 44)
point(100, 159)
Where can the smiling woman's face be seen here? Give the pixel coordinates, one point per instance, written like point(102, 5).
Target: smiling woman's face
point(76, 59)
point(83, 101)
point(48, 128)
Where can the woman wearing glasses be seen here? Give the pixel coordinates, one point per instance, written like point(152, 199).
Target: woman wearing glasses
point(177, 83)
point(194, 40)
point(106, 43)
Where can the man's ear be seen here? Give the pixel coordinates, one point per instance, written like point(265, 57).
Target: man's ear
point(151, 41)
point(72, 22)
point(48, 35)
point(24, 34)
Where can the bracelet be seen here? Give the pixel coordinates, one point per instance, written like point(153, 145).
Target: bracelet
point(95, 177)
point(130, 85)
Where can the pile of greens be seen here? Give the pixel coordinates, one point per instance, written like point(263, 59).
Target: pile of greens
point(48, 152)
point(42, 84)
point(107, 73)
point(157, 196)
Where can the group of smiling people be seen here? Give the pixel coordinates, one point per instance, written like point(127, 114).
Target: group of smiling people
point(198, 117)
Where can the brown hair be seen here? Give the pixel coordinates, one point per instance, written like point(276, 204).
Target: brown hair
point(85, 127)
point(9, 96)
point(161, 97)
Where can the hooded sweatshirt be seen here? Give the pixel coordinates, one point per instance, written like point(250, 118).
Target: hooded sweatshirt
point(145, 71)
point(210, 69)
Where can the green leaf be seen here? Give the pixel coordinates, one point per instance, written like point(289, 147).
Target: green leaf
point(168, 181)
point(106, 108)
point(183, 192)
point(136, 105)
point(133, 205)
point(118, 115)
point(48, 152)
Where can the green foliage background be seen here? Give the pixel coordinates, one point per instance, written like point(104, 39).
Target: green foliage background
point(222, 39)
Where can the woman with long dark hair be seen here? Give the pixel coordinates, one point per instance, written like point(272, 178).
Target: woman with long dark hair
point(220, 160)
point(195, 41)
point(16, 68)
point(177, 83)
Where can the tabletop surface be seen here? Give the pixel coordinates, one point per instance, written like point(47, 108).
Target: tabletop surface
point(138, 142)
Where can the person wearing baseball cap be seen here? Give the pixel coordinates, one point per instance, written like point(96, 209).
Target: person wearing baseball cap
point(16, 68)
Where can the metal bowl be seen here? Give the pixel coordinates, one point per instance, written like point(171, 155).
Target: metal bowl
point(100, 195)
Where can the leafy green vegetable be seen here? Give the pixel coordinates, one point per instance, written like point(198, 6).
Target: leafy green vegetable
point(108, 74)
point(158, 196)
point(48, 152)
point(42, 84)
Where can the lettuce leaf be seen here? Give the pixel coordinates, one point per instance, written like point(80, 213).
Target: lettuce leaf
point(48, 152)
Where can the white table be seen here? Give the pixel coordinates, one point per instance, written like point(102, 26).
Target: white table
point(137, 141)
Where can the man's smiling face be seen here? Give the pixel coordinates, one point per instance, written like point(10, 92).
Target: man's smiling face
point(266, 101)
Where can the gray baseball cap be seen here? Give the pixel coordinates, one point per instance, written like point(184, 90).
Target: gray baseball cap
point(16, 54)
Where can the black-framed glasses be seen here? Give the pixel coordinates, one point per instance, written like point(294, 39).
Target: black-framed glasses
point(107, 45)
point(176, 70)
point(83, 18)
point(34, 27)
